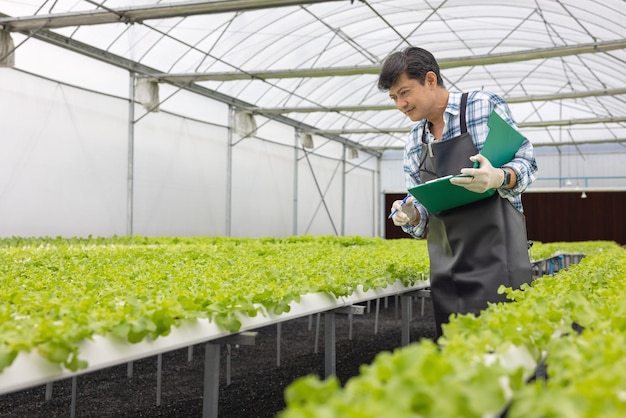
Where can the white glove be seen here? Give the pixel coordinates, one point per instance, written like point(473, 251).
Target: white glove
point(481, 179)
point(405, 214)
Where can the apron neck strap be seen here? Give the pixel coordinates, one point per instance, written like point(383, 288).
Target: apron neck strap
point(462, 112)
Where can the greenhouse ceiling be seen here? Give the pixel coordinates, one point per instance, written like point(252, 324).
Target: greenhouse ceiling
point(314, 64)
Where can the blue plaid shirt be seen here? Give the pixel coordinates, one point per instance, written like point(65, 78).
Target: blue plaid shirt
point(479, 106)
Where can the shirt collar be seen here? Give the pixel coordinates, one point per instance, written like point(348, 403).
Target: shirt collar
point(454, 102)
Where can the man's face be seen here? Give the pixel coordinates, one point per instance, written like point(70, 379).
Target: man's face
point(412, 98)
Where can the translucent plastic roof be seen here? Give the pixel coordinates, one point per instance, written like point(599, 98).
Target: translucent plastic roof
point(560, 64)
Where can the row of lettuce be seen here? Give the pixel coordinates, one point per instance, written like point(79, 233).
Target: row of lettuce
point(558, 351)
point(570, 327)
point(57, 292)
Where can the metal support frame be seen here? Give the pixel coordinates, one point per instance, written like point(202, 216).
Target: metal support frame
point(132, 14)
point(405, 308)
point(74, 396)
point(378, 108)
point(345, 305)
point(131, 156)
point(229, 170)
point(229, 355)
point(330, 349)
point(210, 398)
point(210, 394)
point(48, 394)
point(343, 189)
point(444, 64)
point(278, 336)
point(322, 193)
point(159, 382)
point(406, 304)
point(376, 316)
point(296, 144)
point(351, 311)
point(330, 336)
point(317, 333)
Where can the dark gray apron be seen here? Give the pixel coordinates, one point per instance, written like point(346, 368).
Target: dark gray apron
point(475, 248)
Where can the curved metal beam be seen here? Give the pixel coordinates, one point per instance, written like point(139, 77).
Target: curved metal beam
point(540, 124)
point(364, 108)
point(140, 13)
point(542, 144)
point(445, 63)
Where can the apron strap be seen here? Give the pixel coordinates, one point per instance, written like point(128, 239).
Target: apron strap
point(462, 113)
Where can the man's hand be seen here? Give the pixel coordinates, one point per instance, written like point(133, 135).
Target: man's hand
point(404, 213)
point(480, 179)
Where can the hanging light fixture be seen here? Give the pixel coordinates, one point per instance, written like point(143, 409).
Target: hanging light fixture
point(245, 124)
point(147, 93)
point(306, 140)
point(7, 48)
point(354, 153)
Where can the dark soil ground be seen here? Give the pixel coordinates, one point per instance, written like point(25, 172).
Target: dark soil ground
point(257, 384)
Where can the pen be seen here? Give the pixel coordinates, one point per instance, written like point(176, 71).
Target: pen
point(396, 210)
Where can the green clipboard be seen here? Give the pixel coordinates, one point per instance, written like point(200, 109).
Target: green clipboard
point(500, 146)
point(439, 194)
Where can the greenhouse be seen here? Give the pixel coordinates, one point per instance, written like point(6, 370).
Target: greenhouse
point(206, 177)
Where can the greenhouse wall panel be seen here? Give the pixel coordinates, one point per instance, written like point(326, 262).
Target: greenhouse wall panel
point(320, 194)
point(360, 218)
point(180, 172)
point(262, 189)
point(63, 160)
point(190, 105)
point(65, 66)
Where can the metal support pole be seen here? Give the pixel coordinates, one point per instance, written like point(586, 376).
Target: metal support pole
point(229, 170)
point(159, 378)
point(343, 191)
point(211, 380)
point(317, 334)
point(376, 191)
point(278, 335)
point(210, 395)
point(74, 390)
point(395, 306)
point(376, 316)
point(350, 315)
point(131, 157)
point(330, 353)
point(229, 355)
point(48, 391)
point(295, 182)
point(406, 309)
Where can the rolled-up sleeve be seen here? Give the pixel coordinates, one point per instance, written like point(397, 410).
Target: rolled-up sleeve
point(523, 163)
point(412, 154)
point(524, 166)
point(419, 230)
